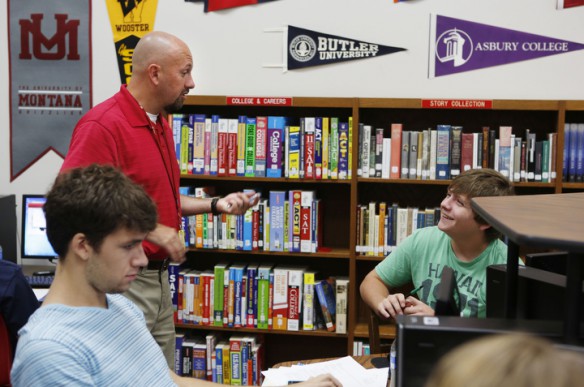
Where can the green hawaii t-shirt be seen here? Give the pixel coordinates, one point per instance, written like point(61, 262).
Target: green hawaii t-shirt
point(419, 259)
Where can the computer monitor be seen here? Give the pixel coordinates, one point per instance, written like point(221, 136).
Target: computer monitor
point(422, 341)
point(34, 242)
point(541, 294)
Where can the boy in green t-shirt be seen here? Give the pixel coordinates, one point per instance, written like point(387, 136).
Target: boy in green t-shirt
point(461, 240)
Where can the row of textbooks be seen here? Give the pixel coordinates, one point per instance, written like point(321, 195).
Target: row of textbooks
point(443, 153)
point(237, 360)
point(266, 296)
point(380, 228)
point(285, 221)
point(263, 146)
point(573, 168)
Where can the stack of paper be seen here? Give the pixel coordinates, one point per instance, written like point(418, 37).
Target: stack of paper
point(349, 372)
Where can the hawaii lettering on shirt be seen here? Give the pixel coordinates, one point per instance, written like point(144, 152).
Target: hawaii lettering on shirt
point(468, 289)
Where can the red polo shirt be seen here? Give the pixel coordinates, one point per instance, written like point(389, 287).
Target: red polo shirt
point(118, 132)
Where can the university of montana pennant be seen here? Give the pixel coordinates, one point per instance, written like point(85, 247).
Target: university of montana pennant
point(308, 48)
point(459, 45)
point(50, 76)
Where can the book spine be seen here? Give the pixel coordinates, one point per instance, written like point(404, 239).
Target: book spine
point(295, 277)
point(293, 152)
point(443, 152)
point(343, 165)
point(214, 144)
point(306, 199)
point(222, 144)
point(277, 199)
point(295, 200)
point(207, 157)
point(250, 146)
point(342, 291)
point(232, 125)
point(325, 147)
point(274, 156)
point(199, 144)
point(319, 288)
point(308, 301)
point(334, 148)
point(280, 303)
point(261, 146)
point(318, 148)
point(241, 138)
point(309, 129)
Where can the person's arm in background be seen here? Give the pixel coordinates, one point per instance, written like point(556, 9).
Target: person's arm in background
point(236, 203)
point(17, 301)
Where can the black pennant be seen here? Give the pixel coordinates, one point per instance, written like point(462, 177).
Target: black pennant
point(308, 48)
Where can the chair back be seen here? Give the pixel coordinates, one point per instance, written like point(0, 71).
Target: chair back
point(5, 354)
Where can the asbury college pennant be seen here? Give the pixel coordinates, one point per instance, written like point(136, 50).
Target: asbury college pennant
point(308, 48)
point(458, 45)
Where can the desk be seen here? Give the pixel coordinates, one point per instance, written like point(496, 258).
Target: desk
point(550, 221)
point(364, 360)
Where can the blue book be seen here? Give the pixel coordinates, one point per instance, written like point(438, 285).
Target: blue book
point(580, 154)
point(176, 133)
point(277, 200)
point(244, 365)
point(326, 297)
point(251, 292)
point(236, 275)
point(276, 125)
point(443, 152)
point(178, 344)
point(247, 228)
point(218, 364)
point(343, 150)
point(566, 154)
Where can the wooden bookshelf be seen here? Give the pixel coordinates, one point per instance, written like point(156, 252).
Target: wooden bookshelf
point(343, 196)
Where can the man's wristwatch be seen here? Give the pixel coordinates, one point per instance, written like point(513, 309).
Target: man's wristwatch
point(214, 210)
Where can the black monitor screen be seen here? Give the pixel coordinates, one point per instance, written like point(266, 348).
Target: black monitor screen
point(34, 243)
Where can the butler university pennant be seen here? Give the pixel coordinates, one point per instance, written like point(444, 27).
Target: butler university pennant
point(50, 76)
point(459, 45)
point(308, 48)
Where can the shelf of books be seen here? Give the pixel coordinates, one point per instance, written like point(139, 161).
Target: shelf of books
point(342, 182)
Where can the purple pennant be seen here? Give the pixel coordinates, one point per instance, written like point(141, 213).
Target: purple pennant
point(462, 45)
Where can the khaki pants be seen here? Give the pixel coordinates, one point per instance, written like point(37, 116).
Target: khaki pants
point(151, 293)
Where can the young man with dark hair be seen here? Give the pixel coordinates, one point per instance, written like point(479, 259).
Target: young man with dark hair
point(462, 240)
point(86, 333)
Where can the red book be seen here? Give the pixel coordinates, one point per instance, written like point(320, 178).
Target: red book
point(295, 281)
point(232, 147)
point(206, 280)
point(467, 148)
point(396, 151)
point(307, 197)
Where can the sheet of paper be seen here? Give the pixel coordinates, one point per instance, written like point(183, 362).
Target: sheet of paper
point(349, 372)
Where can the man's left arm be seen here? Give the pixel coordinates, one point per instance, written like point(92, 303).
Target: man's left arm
point(236, 203)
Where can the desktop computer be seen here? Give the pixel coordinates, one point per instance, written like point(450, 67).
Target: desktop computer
point(422, 341)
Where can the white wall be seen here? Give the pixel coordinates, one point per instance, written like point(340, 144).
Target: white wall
point(230, 47)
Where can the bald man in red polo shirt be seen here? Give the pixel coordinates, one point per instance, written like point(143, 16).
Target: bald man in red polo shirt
point(130, 131)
